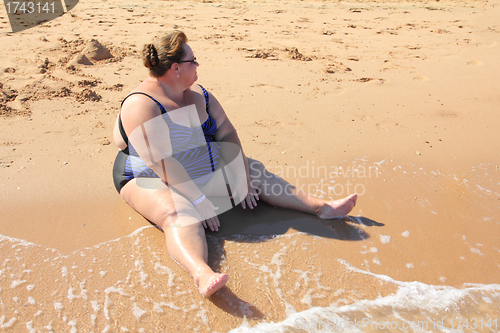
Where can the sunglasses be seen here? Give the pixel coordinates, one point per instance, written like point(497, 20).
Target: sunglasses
point(192, 61)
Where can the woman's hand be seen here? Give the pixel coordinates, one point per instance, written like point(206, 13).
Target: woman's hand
point(251, 198)
point(243, 192)
point(208, 216)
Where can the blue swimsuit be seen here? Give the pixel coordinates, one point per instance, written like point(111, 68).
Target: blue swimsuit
point(194, 148)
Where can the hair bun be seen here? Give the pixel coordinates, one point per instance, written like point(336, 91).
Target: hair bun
point(160, 54)
point(150, 56)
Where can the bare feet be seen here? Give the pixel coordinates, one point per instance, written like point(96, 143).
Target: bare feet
point(210, 283)
point(337, 208)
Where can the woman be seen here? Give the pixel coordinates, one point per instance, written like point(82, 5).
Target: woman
point(174, 139)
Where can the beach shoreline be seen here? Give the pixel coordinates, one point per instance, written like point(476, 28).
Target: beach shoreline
point(397, 101)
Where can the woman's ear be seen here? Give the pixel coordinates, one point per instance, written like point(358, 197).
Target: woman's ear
point(175, 69)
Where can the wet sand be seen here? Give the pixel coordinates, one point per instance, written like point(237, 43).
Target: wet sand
point(395, 100)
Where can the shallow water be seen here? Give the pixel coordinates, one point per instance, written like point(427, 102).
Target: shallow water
point(356, 274)
point(416, 307)
point(131, 285)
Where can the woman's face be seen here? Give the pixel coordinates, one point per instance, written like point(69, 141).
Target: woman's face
point(188, 65)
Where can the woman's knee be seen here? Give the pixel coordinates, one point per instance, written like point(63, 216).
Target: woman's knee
point(165, 217)
point(179, 214)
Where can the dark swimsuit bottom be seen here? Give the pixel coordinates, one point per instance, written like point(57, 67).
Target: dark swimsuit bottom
point(194, 148)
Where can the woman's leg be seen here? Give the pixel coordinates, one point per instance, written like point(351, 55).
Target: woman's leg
point(278, 192)
point(184, 234)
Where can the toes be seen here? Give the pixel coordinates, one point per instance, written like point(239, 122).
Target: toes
point(215, 284)
point(337, 208)
point(353, 198)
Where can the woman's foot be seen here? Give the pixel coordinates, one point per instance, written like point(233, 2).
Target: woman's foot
point(211, 282)
point(337, 208)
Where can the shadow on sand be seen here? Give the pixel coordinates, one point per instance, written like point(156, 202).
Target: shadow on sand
point(266, 220)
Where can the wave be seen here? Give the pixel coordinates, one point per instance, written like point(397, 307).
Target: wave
point(415, 307)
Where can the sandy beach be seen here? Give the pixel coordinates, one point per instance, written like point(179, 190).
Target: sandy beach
point(395, 100)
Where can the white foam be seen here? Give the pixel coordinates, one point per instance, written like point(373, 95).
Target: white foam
point(29, 326)
point(137, 311)
point(15, 283)
point(143, 275)
point(83, 293)
point(410, 298)
point(370, 250)
point(385, 239)
point(165, 270)
point(487, 300)
point(476, 251)
point(245, 309)
point(21, 242)
point(157, 307)
point(72, 323)
point(95, 305)
point(115, 290)
point(7, 324)
point(17, 241)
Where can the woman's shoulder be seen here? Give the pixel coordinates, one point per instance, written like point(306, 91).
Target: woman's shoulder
point(139, 94)
point(142, 96)
point(138, 107)
point(199, 94)
point(197, 89)
point(138, 99)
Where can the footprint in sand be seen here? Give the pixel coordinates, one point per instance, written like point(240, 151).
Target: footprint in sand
point(489, 45)
point(371, 80)
point(419, 77)
point(474, 62)
point(365, 118)
point(337, 91)
point(263, 85)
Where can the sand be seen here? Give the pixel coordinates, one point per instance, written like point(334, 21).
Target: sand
point(395, 100)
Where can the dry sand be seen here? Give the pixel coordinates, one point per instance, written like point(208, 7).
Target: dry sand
point(410, 89)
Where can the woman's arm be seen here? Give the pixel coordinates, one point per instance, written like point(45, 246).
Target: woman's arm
point(226, 133)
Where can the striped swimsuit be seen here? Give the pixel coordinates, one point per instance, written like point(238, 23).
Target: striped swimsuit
point(194, 148)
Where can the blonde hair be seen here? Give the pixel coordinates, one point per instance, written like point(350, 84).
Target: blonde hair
point(162, 53)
